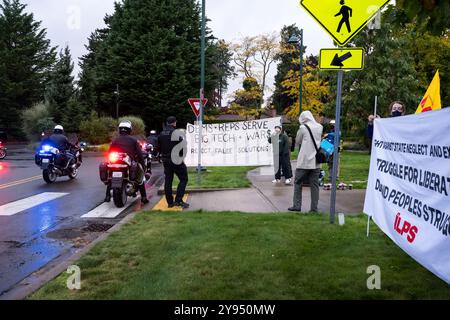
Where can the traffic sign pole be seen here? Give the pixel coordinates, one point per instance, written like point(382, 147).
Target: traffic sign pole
point(332, 16)
point(337, 138)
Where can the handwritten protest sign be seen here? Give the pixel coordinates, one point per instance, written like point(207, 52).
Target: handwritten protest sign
point(232, 144)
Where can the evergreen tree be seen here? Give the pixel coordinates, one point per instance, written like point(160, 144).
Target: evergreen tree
point(88, 83)
point(26, 58)
point(288, 61)
point(152, 51)
point(220, 70)
point(61, 87)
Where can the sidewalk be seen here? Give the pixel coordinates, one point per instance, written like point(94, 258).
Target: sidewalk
point(266, 197)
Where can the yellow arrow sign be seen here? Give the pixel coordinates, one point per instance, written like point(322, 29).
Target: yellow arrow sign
point(343, 19)
point(342, 59)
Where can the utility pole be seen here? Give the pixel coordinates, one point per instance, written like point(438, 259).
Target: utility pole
point(202, 92)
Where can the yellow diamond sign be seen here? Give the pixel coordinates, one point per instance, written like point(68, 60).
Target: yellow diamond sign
point(343, 19)
point(342, 59)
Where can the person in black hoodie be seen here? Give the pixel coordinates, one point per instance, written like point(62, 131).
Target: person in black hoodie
point(166, 145)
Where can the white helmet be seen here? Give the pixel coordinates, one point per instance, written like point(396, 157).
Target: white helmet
point(58, 129)
point(125, 126)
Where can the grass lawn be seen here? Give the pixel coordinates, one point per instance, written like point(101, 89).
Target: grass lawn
point(205, 255)
point(219, 177)
point(354, 168)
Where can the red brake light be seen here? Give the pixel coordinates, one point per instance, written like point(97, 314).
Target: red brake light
point(113, 157)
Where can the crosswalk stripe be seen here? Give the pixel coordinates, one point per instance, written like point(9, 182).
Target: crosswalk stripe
point(107, 210)
point(13, 208)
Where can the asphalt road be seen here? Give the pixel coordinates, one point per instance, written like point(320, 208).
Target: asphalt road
point(40, 222)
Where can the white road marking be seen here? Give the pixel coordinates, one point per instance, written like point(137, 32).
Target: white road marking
point(12, 208)
point(107, 210)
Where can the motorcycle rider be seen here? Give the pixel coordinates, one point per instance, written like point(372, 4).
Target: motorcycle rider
point(166, 146)
point(127, 144)
point(60, 141)
point(153, 138)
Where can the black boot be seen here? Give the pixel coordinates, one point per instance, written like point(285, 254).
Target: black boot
point(108, 195)
point(143, 192)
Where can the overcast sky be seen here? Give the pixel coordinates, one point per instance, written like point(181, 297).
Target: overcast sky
point(72, 21)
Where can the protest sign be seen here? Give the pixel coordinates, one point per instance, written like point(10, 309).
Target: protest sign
point(408, 193)
point(232, 144)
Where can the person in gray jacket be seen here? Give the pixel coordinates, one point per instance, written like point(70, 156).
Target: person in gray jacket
point(307, 167)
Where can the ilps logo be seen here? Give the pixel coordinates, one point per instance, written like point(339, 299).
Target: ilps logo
point(403, 227)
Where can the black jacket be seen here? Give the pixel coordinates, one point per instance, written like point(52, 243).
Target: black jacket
point(283, 144)
point(60, 141)
point(129, 145)
point(153, 140)
point(166, 145)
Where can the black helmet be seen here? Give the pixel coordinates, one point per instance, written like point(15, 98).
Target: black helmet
point(125, 127)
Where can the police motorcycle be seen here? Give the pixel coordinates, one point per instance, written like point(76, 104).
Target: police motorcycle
point(55, 163)
point(2, 151)
point(156, 155)
point(147, 153)
point(120, 173)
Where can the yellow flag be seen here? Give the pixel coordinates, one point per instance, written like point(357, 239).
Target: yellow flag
point(432, 99)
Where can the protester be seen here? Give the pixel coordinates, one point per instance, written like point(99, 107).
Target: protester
point(284, 157)
point(307, 166)
point(369, 131)
point(330, 137)
point(397, 109)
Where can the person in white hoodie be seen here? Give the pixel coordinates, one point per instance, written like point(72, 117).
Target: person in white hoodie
point(307, 166)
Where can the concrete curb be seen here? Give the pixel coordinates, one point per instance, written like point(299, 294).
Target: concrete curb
point(194, 191)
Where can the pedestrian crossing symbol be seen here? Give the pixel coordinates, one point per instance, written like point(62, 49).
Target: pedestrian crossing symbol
point(343, 19)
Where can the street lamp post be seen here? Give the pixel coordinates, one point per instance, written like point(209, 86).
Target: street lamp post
point(299, 41)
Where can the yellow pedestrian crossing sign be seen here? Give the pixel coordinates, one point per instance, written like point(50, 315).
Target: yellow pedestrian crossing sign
point(341, 59)
point(343, 19)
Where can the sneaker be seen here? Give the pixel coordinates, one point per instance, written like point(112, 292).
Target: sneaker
point(170, 205)
point(293, 209)
point(144, 201)
point(181, 204)
point(276, 181)
point(288, 181)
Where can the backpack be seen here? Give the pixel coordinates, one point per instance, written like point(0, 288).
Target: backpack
point(321, 155)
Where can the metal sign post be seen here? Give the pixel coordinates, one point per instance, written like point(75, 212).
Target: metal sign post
point(376, 107)
point(337, 138)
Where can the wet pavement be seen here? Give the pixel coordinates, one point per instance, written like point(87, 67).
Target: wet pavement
point(266, 197)
point(46, 230)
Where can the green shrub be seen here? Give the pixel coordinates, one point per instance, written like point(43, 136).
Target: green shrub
point(36, 120)
point(97, 130)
